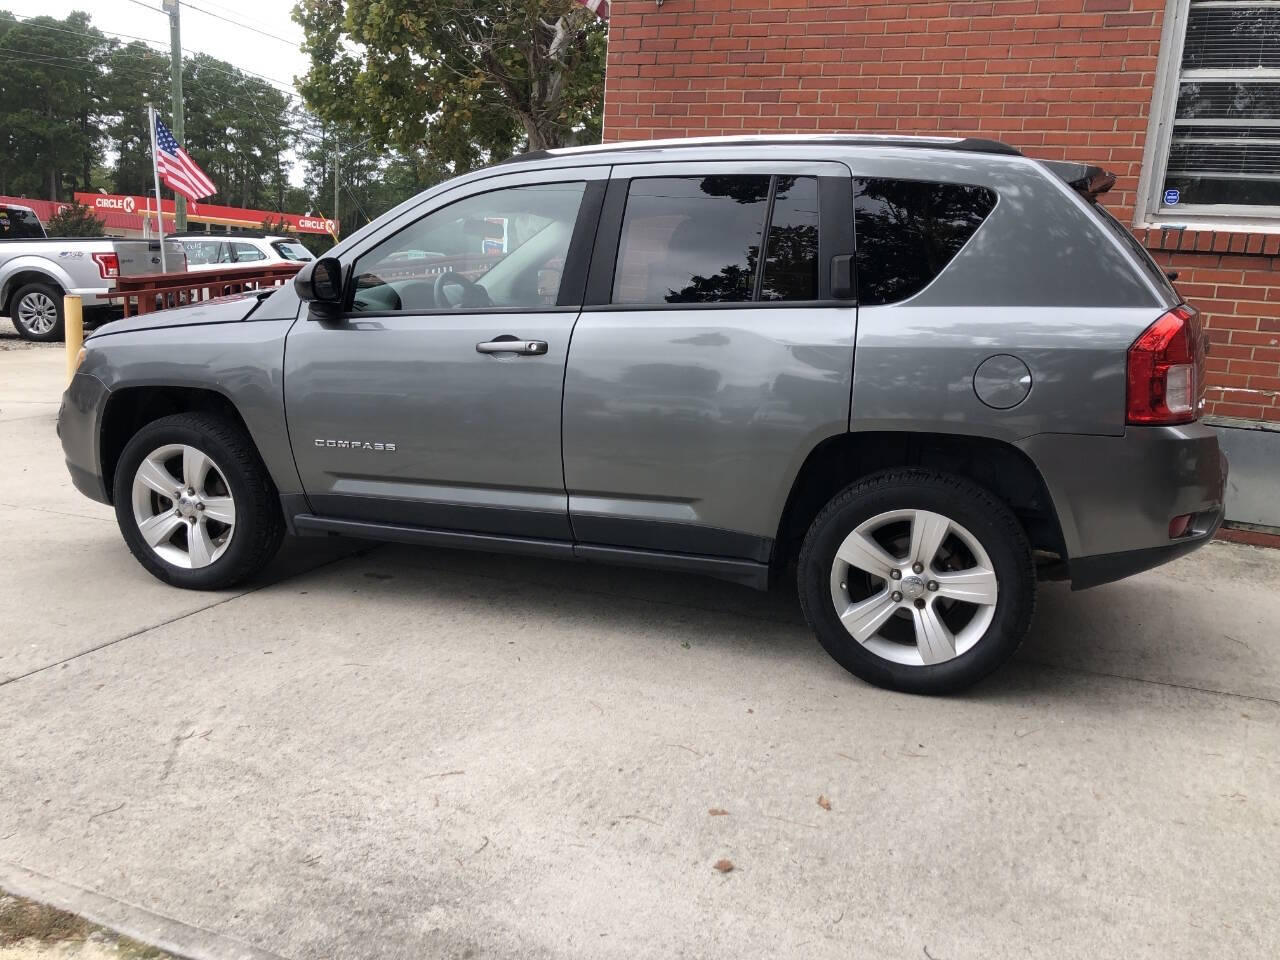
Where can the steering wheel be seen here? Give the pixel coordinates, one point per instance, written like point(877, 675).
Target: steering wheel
point(473, 295)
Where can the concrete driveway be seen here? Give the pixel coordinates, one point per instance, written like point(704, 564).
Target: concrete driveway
point(412, 753)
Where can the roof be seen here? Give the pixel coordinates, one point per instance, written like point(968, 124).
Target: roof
point(963, 144)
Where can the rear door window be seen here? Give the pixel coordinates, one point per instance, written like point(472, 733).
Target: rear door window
point(791, 254)
point(697, 240)
point(907, 231)
point(246, 252)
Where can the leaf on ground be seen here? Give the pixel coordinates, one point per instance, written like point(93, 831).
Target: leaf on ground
point(823, 802)
point(724, 866)
point(718, 812)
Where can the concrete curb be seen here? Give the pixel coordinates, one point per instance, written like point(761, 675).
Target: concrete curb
point(173, 936)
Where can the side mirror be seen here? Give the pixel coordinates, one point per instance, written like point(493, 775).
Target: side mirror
point(320, 281)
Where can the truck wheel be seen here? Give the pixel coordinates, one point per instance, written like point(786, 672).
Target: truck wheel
point(917, 581)
point(36, 312)
point(195, 503)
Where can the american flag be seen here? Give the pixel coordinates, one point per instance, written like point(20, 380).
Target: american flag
point(599, 7)
point(178, 171)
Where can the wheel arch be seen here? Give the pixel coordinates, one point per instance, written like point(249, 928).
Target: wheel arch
point(129, 409)
point(22, 274)
point(997, 465)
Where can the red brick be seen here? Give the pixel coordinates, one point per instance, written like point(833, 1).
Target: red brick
point(1061, 79)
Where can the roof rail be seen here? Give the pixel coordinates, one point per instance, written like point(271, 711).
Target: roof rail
point(963, 144)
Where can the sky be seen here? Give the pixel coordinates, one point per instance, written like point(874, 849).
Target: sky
point(270, 48)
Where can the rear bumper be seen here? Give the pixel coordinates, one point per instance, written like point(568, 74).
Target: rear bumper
point(1108, 567)
point(1115, 496)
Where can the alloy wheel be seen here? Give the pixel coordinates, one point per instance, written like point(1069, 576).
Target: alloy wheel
point(914, 587)
point(37, 313)
point(183, 506)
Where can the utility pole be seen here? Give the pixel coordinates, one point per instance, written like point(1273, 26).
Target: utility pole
point(175, 81)
point(337, 155)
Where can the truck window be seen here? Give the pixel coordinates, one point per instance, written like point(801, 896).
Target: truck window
point(19, 224)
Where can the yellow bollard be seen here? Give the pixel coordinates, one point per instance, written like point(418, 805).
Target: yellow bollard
point(73, 327)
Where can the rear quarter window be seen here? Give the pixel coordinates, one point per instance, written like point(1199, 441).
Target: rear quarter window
point(907, 231)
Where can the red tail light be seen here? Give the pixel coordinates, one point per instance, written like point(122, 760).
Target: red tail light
point(108, 265)
point(1166, 370)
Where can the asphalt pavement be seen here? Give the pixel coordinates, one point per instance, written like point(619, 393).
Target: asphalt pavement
point(388, 752)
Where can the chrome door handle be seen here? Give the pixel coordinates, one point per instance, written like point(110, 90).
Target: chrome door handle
point(528, 348)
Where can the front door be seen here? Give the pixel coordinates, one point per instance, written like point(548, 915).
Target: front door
point(435, 401)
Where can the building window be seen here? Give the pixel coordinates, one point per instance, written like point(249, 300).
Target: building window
point(1214, 151)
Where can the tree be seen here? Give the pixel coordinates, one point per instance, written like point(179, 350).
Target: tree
point(51, 103)
point(462, 81)
point(75, 220)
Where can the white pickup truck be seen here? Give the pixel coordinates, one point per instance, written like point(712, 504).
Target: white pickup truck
point(36, 271)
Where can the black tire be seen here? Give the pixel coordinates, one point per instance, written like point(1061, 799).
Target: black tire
point(984, 516)
point(30, 292)
point(259, 524)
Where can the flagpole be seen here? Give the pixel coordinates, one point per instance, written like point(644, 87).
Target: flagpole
point(155, 170)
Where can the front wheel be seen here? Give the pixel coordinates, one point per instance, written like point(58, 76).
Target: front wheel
point(195, 503)
point(917, 581)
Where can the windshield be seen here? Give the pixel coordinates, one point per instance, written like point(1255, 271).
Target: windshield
point(18, 224)
point(292, 250)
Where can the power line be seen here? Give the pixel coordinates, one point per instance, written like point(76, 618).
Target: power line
point(236, 23)
point(164, 47)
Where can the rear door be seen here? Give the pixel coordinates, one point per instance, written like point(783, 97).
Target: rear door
point(710, 358)
point(435, 401)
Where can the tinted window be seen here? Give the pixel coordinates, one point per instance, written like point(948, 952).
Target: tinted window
point(247, 251)
point(502, 249)
point(690, 239)
point(907, 231)
point(791, 253)
point(19, 224)
point(292, 250)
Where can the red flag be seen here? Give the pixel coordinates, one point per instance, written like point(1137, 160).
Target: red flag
point(599, 7)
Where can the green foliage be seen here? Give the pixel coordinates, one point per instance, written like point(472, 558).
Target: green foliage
point(50, 104)
point(69, 97)
point(462, 82)
point(75, 220)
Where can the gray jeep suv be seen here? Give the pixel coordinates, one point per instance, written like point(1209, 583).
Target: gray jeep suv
point(916, 374)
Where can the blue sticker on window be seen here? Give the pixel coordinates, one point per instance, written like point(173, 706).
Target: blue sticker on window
point(1171, 197)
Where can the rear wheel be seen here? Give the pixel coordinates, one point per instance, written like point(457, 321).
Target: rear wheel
point(36, 312)
point(195, 503)
point(917, 581)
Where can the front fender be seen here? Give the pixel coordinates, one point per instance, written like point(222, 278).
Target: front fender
point(243, 362)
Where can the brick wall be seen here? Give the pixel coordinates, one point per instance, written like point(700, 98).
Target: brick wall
point(1233, 279)
point(1060, 79)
